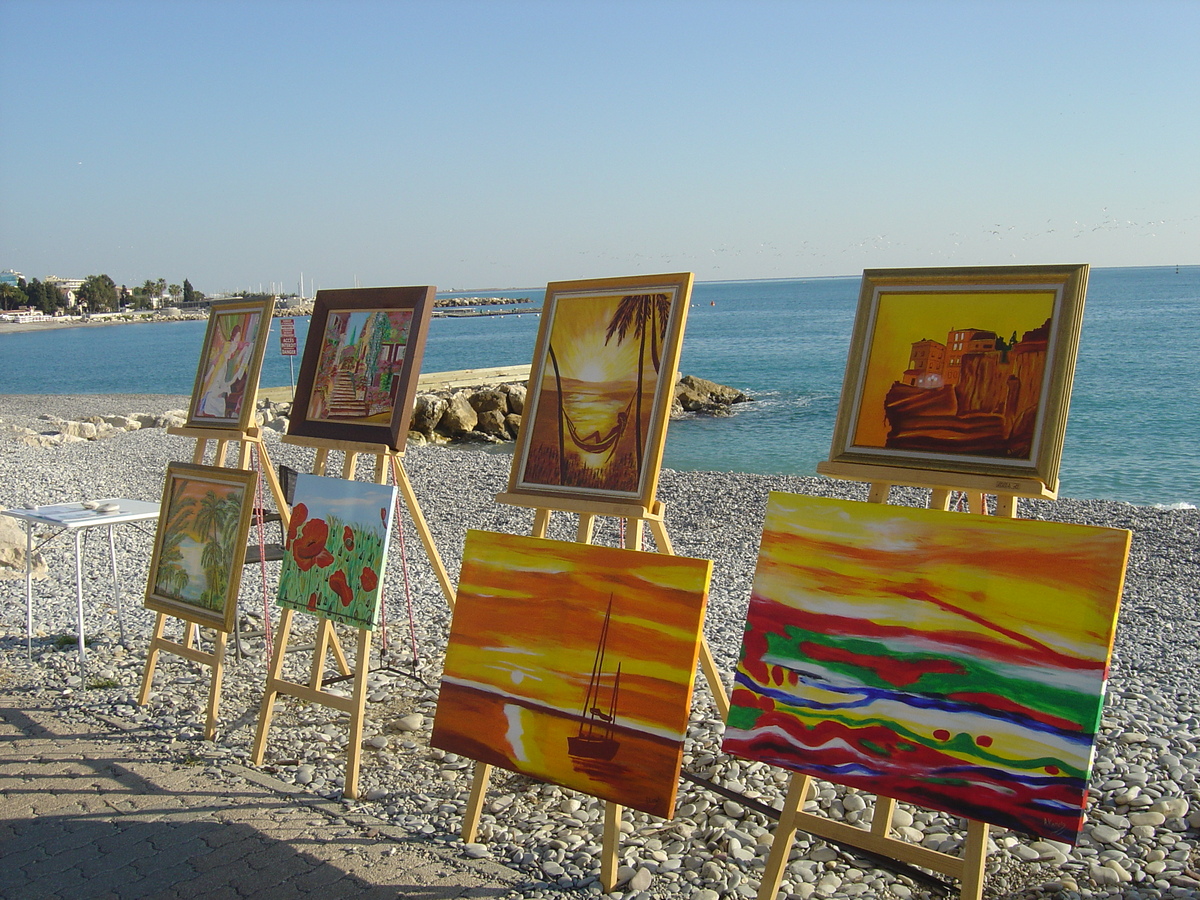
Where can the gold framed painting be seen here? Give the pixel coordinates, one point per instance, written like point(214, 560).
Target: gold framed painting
point(358, 376)
point(963, 370)
point(226, 385)
point(200, 544)
point(600, 388)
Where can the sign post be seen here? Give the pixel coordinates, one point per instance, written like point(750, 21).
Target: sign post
point(287, 346)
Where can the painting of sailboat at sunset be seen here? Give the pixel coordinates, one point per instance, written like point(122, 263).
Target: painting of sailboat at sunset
point(957, 662)
point(601, 386)
point(574, 664)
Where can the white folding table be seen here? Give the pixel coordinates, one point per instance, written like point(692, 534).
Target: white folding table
point(77, 518)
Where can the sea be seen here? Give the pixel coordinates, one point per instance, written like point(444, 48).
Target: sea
point(1133, 433)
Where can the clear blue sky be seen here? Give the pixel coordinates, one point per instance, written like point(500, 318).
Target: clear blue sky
point(507, 144)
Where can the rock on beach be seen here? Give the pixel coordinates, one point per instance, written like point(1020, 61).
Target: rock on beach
point(1143, 824)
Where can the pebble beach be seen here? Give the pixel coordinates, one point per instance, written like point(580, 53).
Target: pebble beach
point(1143, 828)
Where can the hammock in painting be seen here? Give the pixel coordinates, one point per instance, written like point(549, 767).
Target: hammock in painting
point(594, 442)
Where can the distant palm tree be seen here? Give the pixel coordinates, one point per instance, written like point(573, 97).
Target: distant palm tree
point(644, 314)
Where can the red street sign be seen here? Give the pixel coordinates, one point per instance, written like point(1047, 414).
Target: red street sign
point(287, 346)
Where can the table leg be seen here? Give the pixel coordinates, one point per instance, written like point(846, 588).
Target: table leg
point(29, 589)
point(79, 597)
point(112, 551)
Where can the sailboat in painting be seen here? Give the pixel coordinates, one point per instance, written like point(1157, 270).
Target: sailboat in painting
point(595, 738)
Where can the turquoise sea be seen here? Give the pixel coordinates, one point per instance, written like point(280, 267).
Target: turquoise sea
point(1133, 432)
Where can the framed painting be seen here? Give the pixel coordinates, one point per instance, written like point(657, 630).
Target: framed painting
point(358, 375)
point(200, 545)
point(600, 388)
point(574, 664)
point(962, 370)
point(957, 662)
point(226, 385)
point(337, 547)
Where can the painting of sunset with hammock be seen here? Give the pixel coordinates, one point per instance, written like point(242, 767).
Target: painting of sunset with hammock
point(601, 387)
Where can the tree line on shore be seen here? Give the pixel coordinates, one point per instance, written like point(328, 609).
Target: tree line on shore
point(98, 293)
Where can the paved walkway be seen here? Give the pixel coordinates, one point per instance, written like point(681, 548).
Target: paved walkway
point(88, 812)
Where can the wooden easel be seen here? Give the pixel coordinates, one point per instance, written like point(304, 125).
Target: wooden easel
point(326, 639)
point(968, 868)
point(636, 517)
point(189, 647)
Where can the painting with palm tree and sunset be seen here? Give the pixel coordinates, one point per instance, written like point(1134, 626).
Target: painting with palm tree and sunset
point(574, 664)
point(358, 376)
point(200, 545)
point(600, 388)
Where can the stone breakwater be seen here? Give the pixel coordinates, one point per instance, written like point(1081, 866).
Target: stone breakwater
point(1143, 823)
point(486, 414)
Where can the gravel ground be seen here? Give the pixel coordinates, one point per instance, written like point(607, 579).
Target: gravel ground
point(1141, 836)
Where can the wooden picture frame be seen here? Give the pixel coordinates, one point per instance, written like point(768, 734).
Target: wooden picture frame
point(202, 530)
point(933, 383)
point(226, 385)
point(370, 402)
point(611, 346)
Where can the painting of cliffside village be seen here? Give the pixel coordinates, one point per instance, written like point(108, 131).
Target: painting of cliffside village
point(949, 374)
point(362, 356)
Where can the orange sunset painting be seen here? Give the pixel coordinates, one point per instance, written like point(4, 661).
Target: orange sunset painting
point(574, 664)
point(594, 413)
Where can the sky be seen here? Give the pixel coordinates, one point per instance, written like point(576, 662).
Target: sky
point(471, 144)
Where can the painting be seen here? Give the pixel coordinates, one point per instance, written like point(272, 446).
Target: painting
point(953, 661)
point(600, 388)
point(358, 375)
point(200, 545)
point(962, 370)
point(574, 664)
point(226, 385)
point(337, 545)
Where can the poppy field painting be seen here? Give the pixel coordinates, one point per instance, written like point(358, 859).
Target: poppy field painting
point(601, 386)
point(337, 547)
point(574, 664)
point(953, 661)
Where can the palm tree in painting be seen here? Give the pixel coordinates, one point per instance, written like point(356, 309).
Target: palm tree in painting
point(216, 522)
point(644, 314)
point(172, 576)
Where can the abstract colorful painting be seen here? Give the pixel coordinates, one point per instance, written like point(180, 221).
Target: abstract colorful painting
point(600, 388)
point(200, 545)
point(358, 376)
point(574, 664)
point(962, 369)
point(953, 661)
point(230, 361)
point(337, 546)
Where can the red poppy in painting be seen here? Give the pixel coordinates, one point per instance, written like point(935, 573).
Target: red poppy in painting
point(369, 579)
point(348, 538)
point(383, 515)
point(308, 547)
point(337, 581)
point(312, 601)
point(299, 514)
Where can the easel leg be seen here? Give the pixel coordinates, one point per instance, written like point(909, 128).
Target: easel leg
point(587, 528)
point(975, 503)
point(479, 783)
point(709, 667)
point(354, 748)
point(939, 498)
point(267, 709)
point(414, 510)
point(198, 453)
point(634, 531)
point(785, 833)
point(879, 492)
point(881, 822)
point(658, 528)
point(541, 523)
point(160, 621)
point(608, 852)
point(1006, 506)
point(214, 691)
point(974, 855)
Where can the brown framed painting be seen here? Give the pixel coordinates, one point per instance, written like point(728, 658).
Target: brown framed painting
point(600, 388)
point(358, 375)
point(226, 385)
point(200, 544)
point(964, 370)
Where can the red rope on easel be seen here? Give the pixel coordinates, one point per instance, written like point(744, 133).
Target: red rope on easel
point(412, 625)
point(259, 515)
